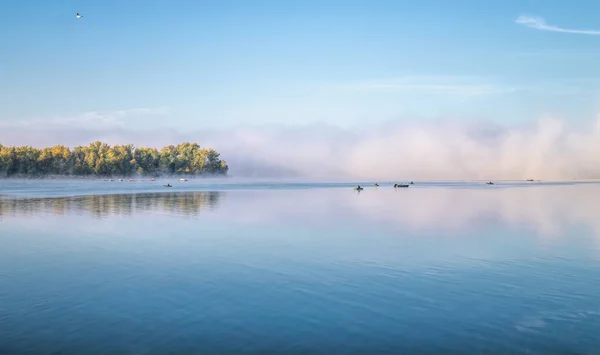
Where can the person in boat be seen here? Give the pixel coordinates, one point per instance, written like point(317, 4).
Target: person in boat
point(358, 187)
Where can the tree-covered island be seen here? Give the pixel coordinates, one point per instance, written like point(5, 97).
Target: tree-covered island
point(101, 159)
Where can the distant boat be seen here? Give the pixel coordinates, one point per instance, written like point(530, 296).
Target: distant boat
point(182, 180)
point(529, 179)
point(490, 183)
point(168, 185)
point(400, 185)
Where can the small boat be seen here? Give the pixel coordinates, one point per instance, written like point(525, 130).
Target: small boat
point(529, 179)
point(153, 179)
point(400, 185)
point(182, 180)
point(168, 185)
point(490, 183)
point(358, 188)
point(412, 183)
point(376, 184)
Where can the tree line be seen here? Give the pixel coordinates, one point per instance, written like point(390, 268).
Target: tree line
point(101, 159)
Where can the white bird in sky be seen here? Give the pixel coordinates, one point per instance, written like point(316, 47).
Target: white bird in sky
point(78, 15)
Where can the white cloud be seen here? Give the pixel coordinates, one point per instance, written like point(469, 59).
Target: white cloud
point(540, 24)
point(464, 87)
point(87, 120)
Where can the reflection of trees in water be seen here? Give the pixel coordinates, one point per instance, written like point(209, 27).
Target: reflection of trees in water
point(100, 206)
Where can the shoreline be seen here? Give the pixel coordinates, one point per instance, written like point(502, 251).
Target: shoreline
point(129, 178)
point(38, 191)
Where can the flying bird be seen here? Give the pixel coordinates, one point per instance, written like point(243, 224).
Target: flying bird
point(78, 15)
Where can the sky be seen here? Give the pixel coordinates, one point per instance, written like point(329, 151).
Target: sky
point(152, 71)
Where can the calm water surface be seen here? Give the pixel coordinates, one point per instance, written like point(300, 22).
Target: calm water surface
point(227, 268)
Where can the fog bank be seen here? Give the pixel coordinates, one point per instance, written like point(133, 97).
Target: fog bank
point(549, 149)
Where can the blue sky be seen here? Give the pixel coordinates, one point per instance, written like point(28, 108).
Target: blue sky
point(190, 64)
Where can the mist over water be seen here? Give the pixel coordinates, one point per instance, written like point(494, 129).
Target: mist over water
point(443, 151)
point(546, 208)
point(550, 149)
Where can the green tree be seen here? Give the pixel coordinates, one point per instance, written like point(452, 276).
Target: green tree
point(100, 159)
point(5, 161)
point(147, 160)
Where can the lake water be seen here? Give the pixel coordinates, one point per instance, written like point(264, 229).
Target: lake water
point(216, 267)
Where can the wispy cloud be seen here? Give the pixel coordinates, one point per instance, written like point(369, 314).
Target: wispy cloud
point(462, 87)
point(540, 24)
point(87, 120)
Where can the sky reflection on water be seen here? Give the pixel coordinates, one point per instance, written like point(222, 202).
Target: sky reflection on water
point(498, 271)
point(546, 209)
